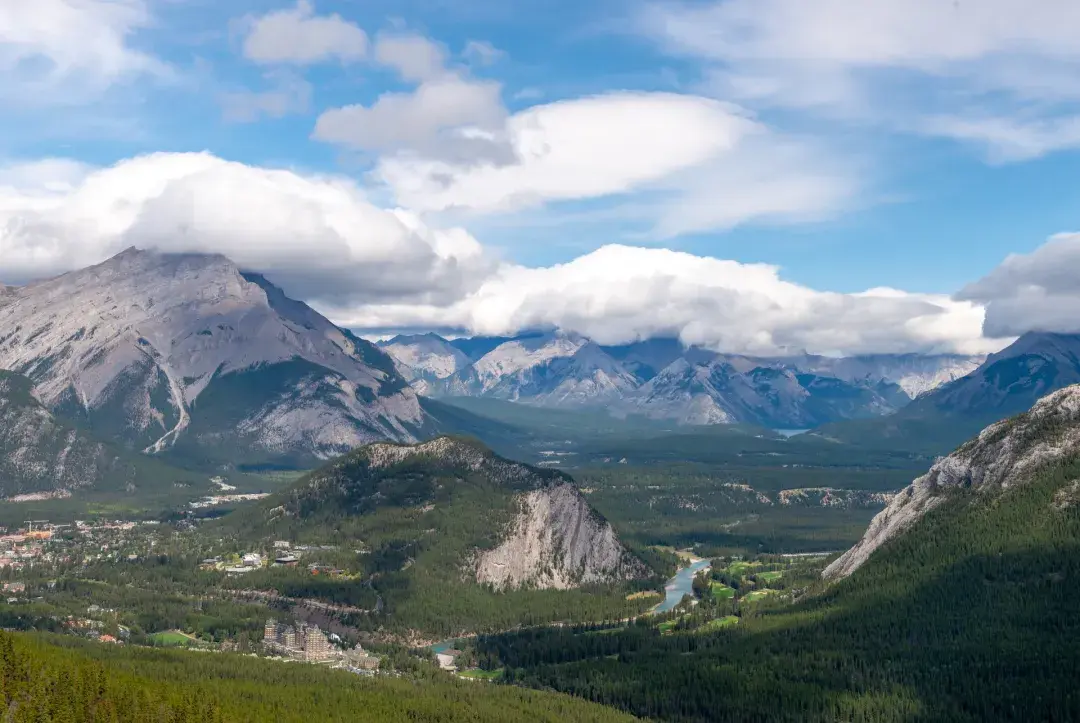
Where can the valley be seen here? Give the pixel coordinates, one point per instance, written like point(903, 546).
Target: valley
point(591, 531)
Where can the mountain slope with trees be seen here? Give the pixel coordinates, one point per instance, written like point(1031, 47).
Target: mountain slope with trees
point(969, 615)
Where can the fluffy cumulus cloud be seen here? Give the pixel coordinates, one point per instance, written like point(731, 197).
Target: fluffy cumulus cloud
point(1039, 291)
point(447, 115)
point(1000, 73)
point(300, 37)
point(429, 118)
point(620, 293)
point(317, 236)
point(67, 50)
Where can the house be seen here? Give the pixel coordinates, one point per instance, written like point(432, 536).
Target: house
point(287, 560)
point(252, 559)
point(448, 658)
point(281, 544)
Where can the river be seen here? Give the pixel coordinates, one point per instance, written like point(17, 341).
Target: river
point(681, 584)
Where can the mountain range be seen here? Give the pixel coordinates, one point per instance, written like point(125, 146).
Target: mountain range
point(663, 379)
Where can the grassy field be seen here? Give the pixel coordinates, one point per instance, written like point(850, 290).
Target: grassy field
point(724, 622)
point(757, 595)
point(771, 576)
point(720, 591)
point(171, 638)
point(478, 674)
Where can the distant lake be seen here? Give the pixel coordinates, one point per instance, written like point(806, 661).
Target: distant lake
point(789, 433)
point(681, 584)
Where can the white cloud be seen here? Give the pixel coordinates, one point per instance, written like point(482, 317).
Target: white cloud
point(368, 267)
point(429, 118)
point(447, 115)
point(301, 37)
point(316, 235)
point(414, 57)
point(695, 164)
point(288, 94)
point(64, 51)
point(1039, 291)
point(1003, 71)
point(481, 52)
point(620, 293)
point(575, 149)
point(1008, 139)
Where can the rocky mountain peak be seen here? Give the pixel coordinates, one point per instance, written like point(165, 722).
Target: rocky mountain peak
point(1002, 455)
point(139, 338)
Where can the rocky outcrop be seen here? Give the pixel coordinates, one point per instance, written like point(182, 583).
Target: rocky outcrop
point(557, 541)
point(1004, 454)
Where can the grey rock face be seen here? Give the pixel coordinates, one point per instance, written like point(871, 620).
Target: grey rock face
point(136, 343)
point(1004, 454)
point(557, 541)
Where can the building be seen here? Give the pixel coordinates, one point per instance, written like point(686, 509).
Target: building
point(289, 639)
point(359, 659)
point(316, 646)
point(14, 587)
point(307, 642)
point(281, 544)
point(286, 560)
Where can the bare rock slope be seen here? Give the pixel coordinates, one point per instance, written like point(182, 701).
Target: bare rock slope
point(152, 349)
point(557, 541)
point(1004, 454)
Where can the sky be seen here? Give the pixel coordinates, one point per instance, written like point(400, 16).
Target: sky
point(759, 176)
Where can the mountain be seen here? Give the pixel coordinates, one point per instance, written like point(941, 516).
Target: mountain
point(1006, 383)
point(645, 359)
point(551, 370)
point(959, 605)
point(662, 379)
point(718, 393)
point(42, 456)
point(1011, 380)
point(424, 359)
point(915, 374)
point(185, 352)
point(1005, 454)
point(448, 515)
point(477, 346)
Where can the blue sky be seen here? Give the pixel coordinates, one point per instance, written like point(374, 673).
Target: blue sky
point(909, 144)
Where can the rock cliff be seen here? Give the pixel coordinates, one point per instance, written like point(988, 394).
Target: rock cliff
point(557, 541)
point(1004, 454)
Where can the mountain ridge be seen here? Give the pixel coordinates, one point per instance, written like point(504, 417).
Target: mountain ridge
point(663, 379)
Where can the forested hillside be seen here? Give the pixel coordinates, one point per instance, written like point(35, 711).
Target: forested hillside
point(61, 680)
point(969, 616)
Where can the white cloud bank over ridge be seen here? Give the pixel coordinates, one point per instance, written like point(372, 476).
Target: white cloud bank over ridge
point(322, 240)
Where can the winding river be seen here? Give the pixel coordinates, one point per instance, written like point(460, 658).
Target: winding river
point(681, 584)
